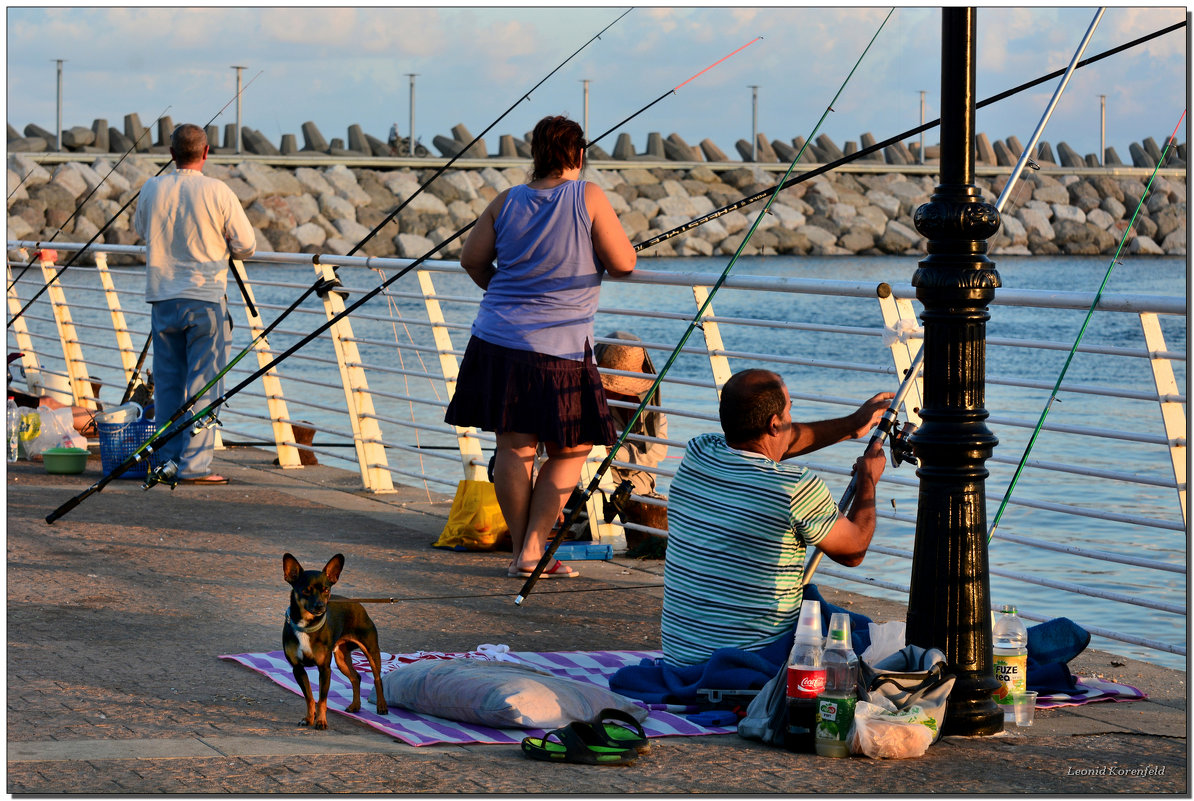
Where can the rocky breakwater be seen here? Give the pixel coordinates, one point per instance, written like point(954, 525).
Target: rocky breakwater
point(330, 209)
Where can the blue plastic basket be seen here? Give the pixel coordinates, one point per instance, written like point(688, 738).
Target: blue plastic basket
point(118, 441)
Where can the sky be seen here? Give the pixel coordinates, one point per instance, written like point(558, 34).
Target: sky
point(340, 66)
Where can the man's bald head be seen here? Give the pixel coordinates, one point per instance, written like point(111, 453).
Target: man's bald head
point(748, 402)
point(188, 145)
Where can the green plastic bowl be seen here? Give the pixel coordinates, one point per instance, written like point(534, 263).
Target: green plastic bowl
point(66, 461)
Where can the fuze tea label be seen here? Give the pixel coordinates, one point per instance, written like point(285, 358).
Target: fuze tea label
point(834, 716)
point(1012, 671)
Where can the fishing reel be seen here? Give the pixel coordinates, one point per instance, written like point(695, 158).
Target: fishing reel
point(208, 420)
point(162, 474)
point(617, 501)
point(901, 448)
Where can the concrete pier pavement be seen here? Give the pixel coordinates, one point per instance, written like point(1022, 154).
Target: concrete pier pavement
point(118, 611)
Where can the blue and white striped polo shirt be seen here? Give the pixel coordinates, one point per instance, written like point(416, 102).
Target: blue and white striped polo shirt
point(738, 524)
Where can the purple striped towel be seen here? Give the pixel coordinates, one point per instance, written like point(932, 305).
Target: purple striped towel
point(1089, 690)
point(594, 667)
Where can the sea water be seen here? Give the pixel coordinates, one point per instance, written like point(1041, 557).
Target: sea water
point(277, 286)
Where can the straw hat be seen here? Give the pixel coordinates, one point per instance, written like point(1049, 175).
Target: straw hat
point(628, 359)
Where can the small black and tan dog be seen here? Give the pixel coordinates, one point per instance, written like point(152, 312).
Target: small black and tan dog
point(320, 625)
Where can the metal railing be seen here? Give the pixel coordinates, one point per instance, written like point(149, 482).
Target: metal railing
point(1105, 486)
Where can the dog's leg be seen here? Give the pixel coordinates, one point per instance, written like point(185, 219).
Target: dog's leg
point(325, 684)
point(373, 654)
point(300, 676)
point(344, 662)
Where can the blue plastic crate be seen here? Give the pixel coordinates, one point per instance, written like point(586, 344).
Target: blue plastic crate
point(571, 551)
point(118, 441)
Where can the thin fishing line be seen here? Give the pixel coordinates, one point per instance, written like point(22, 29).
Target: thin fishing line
point(672, 91)
point(115, 216)
point(608, 460)
point(746, 201)
point(466, 148)
point(1082, 331)
point(495, 594)
point(83, 202)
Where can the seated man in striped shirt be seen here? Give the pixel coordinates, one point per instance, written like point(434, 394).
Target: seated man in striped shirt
point(740, 520)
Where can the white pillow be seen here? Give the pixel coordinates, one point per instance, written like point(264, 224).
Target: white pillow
point(498, 694)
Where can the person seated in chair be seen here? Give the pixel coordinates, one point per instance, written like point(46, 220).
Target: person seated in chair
point(741, 518)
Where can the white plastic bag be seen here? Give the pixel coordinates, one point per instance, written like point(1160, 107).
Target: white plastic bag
point(886, 639)
point(57, 431)
point(886, 734)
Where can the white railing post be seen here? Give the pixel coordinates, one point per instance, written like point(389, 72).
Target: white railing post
point(1172, 413)
point(466, 438)
point(271, 383)
point(124, 340)
point(72, 352)
point(19, 328)
point(713, 344)
point(366, 434)
point(905, 340)
point(609, 533)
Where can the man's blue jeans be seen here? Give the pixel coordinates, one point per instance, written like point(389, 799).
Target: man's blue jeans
point(190, 346)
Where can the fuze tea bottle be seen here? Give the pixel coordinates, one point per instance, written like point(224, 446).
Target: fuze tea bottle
point(835, 706)
point(1011, 659)
point(806, 678)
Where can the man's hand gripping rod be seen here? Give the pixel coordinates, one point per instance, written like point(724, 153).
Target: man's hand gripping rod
point(882, 431)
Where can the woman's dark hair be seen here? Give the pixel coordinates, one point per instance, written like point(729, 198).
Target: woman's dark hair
point(556, 143)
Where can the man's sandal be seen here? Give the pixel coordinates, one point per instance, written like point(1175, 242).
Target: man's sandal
point(626, 732)
point(577, 743)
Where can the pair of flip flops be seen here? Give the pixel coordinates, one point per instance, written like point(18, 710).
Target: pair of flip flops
point(611, 738)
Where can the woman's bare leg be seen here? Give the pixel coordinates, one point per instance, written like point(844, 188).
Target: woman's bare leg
point(556, 481)
point(512, 466)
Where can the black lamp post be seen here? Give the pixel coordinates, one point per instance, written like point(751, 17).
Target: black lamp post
point(949, 601)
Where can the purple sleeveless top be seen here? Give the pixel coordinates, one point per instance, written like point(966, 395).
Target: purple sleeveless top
point(544, 295)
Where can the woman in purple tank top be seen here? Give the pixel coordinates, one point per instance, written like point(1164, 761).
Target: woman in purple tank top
point(540, 251)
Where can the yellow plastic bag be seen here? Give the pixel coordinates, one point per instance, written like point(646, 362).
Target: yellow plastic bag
point(475, 522)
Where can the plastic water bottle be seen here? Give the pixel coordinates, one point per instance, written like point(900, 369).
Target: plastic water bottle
point(806, 678)
point(835, 706)
point(1011, 659)
point(13, 432)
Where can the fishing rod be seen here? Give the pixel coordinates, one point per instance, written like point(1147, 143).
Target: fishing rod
point(115, 216)
point(901, 451)
point(1172, 142)
point(746, 201)
point(465, 149)
point(168, 472)
point(83, 202)
point(623, 491)
point(136, 375)
point(163, 473)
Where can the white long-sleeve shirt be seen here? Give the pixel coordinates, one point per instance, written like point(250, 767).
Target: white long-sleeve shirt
point(190, 223)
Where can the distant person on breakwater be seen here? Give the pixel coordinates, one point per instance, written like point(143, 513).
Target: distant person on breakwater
point(191, 225)
point(539, 251)
point(740, 519)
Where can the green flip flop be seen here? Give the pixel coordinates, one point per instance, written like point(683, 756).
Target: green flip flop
point(617, 735)
point(578, 743)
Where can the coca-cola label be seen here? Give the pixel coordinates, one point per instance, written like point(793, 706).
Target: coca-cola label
point(805, 682)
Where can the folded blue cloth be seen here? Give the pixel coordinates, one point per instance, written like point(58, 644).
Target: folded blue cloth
point(1051, 645)
point(657, 682)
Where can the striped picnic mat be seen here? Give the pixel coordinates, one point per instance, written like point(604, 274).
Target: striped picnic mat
point(594, 667)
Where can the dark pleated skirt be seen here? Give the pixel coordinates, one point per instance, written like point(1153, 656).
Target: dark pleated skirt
point(517, 391)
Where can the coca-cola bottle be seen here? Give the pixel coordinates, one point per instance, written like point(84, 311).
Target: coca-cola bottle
point(806, 679)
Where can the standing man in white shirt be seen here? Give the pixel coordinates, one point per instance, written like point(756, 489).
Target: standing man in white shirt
point(191, 226)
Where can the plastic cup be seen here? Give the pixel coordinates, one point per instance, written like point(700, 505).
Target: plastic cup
point(809, 627)
point(1025, 706)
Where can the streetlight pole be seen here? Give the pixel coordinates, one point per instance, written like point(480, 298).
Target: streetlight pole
point(1103, 130)
point(949, 598)
point(586, 83)
point(411, 131)
point(754, 123)
point(238, 90)
point(58, 126)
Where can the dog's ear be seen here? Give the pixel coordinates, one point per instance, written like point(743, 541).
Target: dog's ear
point(334, 566)
point(291, 569)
